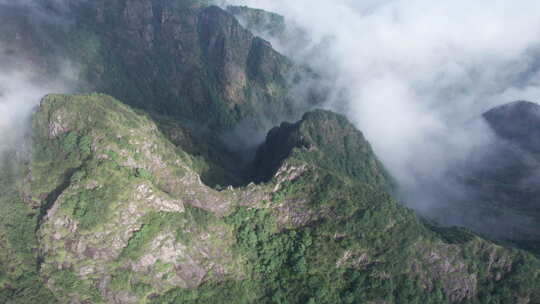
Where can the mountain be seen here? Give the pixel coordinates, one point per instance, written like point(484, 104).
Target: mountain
point(182, 60)
point(116, 213)
point(219, 68)
point(517, 161)
point(136, 194)
point(185, 59)
point(502, 176)
point(192, 63)
point(325, 139)
point(517, 122)
point(260, 21)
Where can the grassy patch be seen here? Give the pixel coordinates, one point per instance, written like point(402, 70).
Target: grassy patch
point(157, 222)
point(68, 282)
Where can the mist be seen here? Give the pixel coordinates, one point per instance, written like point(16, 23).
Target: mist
point(417, 75)
point(26, 75)
point(414, 76)
point(20, 93)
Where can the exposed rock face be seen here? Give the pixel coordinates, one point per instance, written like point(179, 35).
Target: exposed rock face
point(183, 59)
point(444, 264)
point(58, 124)
point(108, 210)
point(124, 218)
point(150, 183)
point(220, 74)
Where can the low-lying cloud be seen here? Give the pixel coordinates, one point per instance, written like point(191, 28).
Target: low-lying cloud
point(418, 74)
point(26, 74)
point(413, 75)
point(19, 95)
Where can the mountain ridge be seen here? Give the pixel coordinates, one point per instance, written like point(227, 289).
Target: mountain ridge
point(129, 221)
point(140, 201)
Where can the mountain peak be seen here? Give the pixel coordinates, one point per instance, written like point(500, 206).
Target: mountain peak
point(517, 122)
point(518, 106)
point(149, 205)
point(326, 140)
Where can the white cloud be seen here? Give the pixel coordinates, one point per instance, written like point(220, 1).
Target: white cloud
point(22, 84)
point(19, 95)
point(417, 71)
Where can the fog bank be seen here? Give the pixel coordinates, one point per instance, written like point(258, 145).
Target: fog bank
point(417, 75)
point(27, 73)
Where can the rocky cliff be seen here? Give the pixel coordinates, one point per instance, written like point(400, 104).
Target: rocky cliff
point(191, 61)
point(141, 201)
point(116, 213)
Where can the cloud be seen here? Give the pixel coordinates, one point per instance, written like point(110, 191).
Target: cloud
point(418, 72)
point(24, 80)
point(17, 99)
point(19, 95)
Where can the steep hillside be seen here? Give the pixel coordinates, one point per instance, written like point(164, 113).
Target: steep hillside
point(325, 139)
point(148, 200)
point(502, 176)
point(179, 60)
point(109, 201)
point(192, 62)
point(107, 210)
point(260, 21)
point(29, 41)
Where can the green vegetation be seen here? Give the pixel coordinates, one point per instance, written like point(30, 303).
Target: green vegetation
point(19, 279)
point(326, 140)
point(69, 283)
point(192, 86)
point(153, 224)
point(19, 275)
point(109, 207)
point(308, 264)
point(329, 233)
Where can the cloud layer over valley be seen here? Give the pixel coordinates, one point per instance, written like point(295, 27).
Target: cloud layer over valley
point(413, 75)
point(418, 74)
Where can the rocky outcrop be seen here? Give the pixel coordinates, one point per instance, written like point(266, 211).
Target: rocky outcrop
point(125, 218)
point(125, 205)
